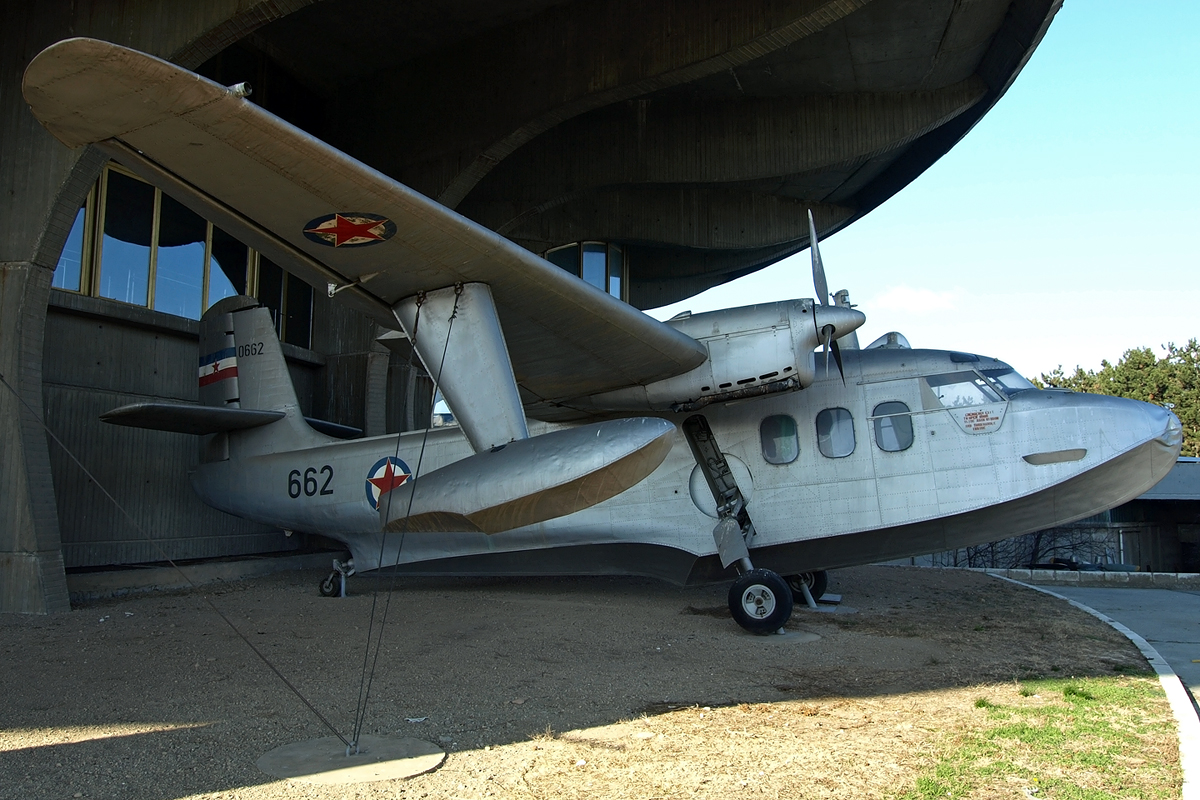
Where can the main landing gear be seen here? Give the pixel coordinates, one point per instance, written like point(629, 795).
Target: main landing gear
point(759, 600)
point(335, 584)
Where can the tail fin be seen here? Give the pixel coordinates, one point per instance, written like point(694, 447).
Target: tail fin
point(241, 362)
point(242, 366)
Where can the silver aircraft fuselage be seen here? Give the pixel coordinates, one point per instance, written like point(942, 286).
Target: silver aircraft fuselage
point(925, 452)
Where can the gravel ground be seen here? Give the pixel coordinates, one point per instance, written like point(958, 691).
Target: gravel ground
point(535, 687)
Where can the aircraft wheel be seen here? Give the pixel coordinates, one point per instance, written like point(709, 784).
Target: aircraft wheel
point(330, 586)
point(760, 601)
point(817, 583)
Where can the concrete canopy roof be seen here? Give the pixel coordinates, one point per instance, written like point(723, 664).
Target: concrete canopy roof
point(695, 134)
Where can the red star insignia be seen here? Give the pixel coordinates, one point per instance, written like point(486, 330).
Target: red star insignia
point(389, 480)
point(344, 230)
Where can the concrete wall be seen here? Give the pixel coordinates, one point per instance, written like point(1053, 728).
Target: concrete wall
point(41, 185)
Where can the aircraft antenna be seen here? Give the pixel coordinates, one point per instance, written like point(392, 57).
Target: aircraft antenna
point(146, 537)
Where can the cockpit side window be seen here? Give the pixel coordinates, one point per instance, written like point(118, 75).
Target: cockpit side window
point(1010, 380)
point(835, 433)
point(779, 442)
point(958, 390)
point(893, 427)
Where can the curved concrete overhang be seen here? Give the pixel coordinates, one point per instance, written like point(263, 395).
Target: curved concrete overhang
point(697, 136)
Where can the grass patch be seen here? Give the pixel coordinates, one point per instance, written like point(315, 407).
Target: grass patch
point(1076, 738)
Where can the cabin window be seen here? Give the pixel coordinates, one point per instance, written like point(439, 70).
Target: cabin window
point(1010, 381)
point(835, 433)
point(958, 390)
point(893, 427)
point(779, 442)
point(132, 243)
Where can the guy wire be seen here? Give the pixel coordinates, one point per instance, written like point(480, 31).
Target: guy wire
point(168, 559)
point(361, 715)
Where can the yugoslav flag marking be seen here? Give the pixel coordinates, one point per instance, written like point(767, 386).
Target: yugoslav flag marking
point(218, 366)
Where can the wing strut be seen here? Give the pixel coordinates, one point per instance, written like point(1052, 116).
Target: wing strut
point(473, 371)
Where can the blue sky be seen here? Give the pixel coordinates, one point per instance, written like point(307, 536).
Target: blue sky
point(1062, 230)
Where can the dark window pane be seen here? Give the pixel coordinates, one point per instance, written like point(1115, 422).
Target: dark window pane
point(226, 266)
point(70, 264)
point(299, 312)
point(270, 289)
point(565, 257)
point(179, 274)
point(778, 437)
point(595, 265)
point(835, 433)
point(893, 427)
point(616, 269)
point(125, 248)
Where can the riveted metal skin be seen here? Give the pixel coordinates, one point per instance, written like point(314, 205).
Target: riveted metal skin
point(531, 481)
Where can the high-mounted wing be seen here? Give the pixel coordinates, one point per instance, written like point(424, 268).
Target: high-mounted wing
point(306, 206)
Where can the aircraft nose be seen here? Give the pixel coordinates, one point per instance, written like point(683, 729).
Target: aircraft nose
point(1172, 435)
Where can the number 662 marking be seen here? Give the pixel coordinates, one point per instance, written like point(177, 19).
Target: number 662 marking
point(308, 486)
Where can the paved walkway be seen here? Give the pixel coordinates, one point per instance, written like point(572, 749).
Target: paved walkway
point(1168, 620)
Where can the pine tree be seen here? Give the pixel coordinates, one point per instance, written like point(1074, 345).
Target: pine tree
point(1172, 380)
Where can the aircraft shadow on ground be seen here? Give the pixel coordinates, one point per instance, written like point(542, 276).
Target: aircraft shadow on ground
point(477, 662)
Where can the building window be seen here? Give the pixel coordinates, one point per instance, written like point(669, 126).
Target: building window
point(600, 264)
point(69, 273)
point(778, 437)
point(835, 433)
point(893, 427)
point(132, 243)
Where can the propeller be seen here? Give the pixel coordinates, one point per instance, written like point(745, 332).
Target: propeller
point(824, 334)
point(818, 268)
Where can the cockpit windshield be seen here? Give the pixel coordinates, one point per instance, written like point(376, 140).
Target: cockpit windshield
point(959, 389)
point(1010, 380)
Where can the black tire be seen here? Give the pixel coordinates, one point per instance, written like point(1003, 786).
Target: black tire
point(330, 586)
point(760, 601)
point(817, 582)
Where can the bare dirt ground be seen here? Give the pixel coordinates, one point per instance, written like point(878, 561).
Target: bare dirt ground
point(536, 687)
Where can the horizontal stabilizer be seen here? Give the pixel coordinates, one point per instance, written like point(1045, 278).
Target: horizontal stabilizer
point(530, 480)
point(334, 429)
point(181, 418)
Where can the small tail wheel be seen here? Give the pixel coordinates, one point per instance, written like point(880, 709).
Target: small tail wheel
point(817, 582)
point(330, 586)
point(760, 601)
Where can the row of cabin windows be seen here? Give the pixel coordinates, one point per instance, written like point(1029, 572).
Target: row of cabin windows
point(132, 243)
point(835, 433)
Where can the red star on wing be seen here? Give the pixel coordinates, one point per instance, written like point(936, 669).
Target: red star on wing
point(389, 480)
point(344, 230)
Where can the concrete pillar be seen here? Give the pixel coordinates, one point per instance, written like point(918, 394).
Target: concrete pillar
point(42, 184)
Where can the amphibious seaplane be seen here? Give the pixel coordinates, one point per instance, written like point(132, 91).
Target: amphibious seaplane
point(590, 438)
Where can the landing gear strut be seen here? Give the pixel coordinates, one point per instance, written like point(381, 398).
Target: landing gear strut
point(814, 582)
point(759, 600)
point(335, 584)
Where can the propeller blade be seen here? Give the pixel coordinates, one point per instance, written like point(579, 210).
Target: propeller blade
point(837, 356)
point(818, 268)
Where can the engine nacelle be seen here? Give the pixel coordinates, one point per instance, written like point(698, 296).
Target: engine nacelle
point(752, 350)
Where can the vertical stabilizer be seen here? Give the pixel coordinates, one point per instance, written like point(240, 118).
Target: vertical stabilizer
point(242, 366)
